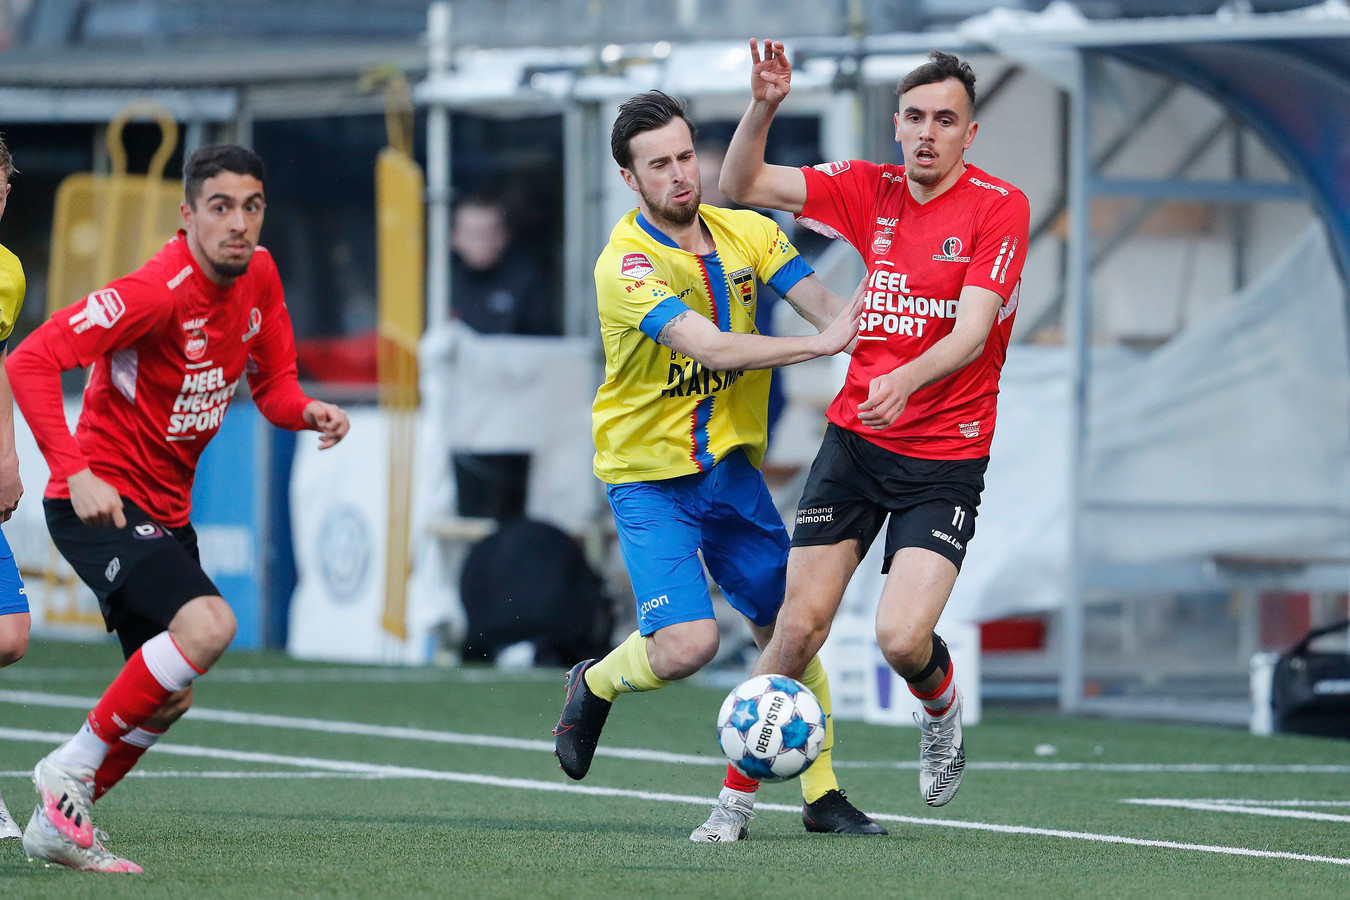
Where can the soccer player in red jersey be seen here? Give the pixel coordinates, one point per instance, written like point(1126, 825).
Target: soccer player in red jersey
point(909, 432)
point(168, 344)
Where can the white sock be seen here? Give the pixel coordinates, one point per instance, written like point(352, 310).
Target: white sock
point(84, 751)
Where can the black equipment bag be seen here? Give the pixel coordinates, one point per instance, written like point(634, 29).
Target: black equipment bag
point(1310, 691)
point(531, 581)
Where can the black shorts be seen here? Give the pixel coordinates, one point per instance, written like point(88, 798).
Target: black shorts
point(142, 574)
point(854, 484)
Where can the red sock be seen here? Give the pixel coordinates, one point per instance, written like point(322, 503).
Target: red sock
point(156, 670)
point(121, 757)
point(738, 782)
point(940, 699)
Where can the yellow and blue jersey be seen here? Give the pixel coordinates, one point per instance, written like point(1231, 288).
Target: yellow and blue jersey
point(12, 287)
point(658, 413)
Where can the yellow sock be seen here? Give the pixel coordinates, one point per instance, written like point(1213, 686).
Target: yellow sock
point(625, 670)
point(819, 778)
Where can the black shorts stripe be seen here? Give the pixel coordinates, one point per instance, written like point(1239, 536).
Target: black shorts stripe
point(854, 485)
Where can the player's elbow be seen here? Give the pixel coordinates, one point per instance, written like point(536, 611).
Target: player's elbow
point(718, 353)
point(731, 184)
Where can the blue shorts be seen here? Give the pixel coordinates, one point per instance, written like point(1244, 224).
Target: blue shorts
point(727, 514)
point(12, 596)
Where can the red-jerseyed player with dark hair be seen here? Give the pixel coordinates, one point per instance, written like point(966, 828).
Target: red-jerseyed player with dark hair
point(909, 432)
point(168, 344)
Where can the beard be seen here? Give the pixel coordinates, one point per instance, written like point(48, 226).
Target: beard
point(230, 268)
point(923, 176)
point(671, 214)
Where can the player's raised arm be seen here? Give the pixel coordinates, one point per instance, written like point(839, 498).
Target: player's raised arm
point(746, 177)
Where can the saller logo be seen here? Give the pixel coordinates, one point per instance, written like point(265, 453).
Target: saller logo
point(636, 265)
point(832, 168)
point(102, 308)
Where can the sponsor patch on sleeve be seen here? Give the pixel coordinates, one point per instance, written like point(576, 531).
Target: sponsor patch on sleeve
point(833, 168)
point(102, 308)
point(636, 265)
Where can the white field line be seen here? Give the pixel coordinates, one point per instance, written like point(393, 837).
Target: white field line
point(390, 732)
point(370, 769)
point(1316, 803)
point(1229, 807)
point(229, 776)
point(353, 675)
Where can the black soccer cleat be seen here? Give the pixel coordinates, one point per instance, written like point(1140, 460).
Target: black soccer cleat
point(578, 731)
point(833, 814)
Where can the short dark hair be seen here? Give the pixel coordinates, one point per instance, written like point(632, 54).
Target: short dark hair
point(208, 162)
point(940, 67)
point(645, 112)
point(6, 161)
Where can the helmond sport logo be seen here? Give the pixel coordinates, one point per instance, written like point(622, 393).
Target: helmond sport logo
point(951, 251)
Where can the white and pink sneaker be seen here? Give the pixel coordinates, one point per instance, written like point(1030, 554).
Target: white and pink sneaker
point(45, 844)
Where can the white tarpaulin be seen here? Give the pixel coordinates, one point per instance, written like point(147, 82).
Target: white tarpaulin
point(1231, 440)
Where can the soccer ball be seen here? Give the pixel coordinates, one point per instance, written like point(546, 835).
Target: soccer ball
point(771, 728)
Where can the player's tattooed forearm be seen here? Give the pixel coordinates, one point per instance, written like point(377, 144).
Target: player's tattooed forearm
point(796, 308)
point(664, 337)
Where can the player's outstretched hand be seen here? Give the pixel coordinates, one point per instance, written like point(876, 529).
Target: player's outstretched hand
point(95, 501)
point(329, 419)
point(770, 76)
point(11, 487)
point(843, 331)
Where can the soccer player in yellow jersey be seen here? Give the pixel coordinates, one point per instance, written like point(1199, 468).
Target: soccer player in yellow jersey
point(14, 616)
point(680, 432)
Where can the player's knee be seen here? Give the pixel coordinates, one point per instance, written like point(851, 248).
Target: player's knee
point(13, 642)
point(906, 649)
point(683, 651)
point(12, 649)
point(801, 632)
point(219, 624)
point(203, 629)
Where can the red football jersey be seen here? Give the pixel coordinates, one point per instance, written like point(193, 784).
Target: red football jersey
point(919, 256)
point(168, 347)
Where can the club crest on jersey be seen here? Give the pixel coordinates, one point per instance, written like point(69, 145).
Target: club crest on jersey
point(636, 265)
point(833, 168)
point(951, 251)
point(195, 348)
point(102, 308)
point(744, 282)
point(881, 241)
point(254, 323)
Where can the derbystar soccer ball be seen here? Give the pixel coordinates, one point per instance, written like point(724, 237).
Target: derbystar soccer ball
point(771, 728)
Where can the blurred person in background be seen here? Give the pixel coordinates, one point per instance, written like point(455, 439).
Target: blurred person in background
point(909, 433)
point(679, 428)
point(15, 619)
point(495, 287)
point(168, 344)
